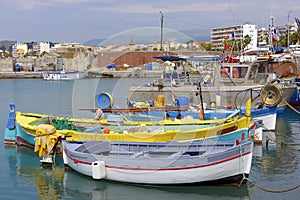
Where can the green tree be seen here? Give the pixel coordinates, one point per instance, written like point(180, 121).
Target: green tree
point(295, 37)
point(189, 44)
point(247, 40)
point(207, 46)
point(237, 45)
point(43, 53)
point(282, 41)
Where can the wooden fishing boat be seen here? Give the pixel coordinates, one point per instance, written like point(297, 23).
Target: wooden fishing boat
point(170, 163)
point(27, 125)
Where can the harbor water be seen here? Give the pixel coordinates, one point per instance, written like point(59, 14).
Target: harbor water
point(275, 172)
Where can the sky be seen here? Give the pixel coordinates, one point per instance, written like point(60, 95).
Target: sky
point(82, 20)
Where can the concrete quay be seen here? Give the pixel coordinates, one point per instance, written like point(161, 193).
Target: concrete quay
point(91, 74)
point(21, 75)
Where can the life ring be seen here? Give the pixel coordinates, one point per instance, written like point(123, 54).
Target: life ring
point(104, 100)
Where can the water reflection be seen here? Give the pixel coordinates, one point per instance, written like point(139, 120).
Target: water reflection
point(276, 160)
point(59, 183)
point(92, 189)
point(25, 165)
point(277, 167)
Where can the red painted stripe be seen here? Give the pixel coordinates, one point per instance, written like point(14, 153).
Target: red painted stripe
point(174, 168)
point(22, 142)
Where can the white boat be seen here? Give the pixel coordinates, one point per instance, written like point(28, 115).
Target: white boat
point(221, 83)
point(64, 75)
point(191, 162)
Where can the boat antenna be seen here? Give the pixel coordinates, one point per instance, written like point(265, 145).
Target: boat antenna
point(201, 111)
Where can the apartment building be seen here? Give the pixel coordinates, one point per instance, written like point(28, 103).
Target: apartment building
point(238, 32)
point(40, 47)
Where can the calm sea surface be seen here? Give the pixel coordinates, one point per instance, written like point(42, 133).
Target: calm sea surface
point(275, 168)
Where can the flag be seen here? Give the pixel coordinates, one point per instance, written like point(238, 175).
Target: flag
point(232, 34)
point(229, 36)
point(173, 82)
point(275, 35)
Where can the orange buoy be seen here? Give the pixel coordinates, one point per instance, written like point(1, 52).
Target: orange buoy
point(106, 131)
point(201, 114)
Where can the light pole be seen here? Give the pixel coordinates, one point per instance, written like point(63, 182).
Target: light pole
point(288, 31)
point(271, 33)
point(161, 30)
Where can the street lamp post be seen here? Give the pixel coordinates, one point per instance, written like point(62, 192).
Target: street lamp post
point(288, 31)
point(161, 30)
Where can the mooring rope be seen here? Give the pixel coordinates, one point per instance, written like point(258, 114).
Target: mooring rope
point(291, 107)
point(241, 157)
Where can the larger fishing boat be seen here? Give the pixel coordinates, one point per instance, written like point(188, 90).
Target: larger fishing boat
point(221, 84)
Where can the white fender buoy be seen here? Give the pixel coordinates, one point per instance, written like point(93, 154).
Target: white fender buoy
point(98, 170)
point(99, 114)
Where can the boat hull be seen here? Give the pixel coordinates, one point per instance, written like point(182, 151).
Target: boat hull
point(295, 99)
point(10, 130)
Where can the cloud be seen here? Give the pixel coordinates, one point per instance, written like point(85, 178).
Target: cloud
point(32, 4)
point(146, 7)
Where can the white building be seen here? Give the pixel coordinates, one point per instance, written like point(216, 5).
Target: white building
point(40, 47)
point(250, 30)
point(238, 32)
point(19, 50)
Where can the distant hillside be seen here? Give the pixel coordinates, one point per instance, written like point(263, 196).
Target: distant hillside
point(198, 34)
point(151, 35)
point(93, 42)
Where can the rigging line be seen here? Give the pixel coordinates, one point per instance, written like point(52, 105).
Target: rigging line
point(187, 22)
point(234, 21)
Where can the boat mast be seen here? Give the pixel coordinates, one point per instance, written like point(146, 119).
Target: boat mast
point(288, 31)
